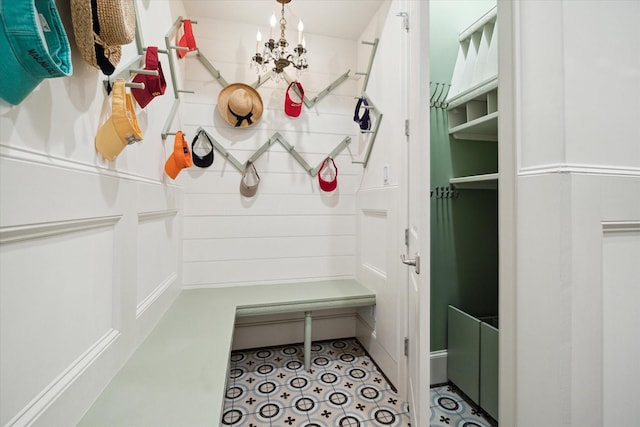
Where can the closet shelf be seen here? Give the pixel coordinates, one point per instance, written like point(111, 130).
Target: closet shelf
point(473, 92)
point(487, 181)
point(473, 114)
point(484, 128)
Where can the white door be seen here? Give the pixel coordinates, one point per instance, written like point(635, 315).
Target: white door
point(417, 202)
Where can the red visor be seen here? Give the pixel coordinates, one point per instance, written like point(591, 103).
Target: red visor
point(153, 85)
point(333, 183)
point(293, 107)
point(187, 39)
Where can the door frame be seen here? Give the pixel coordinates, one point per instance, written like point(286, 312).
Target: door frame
point(417, 90)
point(507, 244)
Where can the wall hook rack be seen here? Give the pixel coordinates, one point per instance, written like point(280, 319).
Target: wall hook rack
point(176, 92)
point(276, 137)
point(372, 55)
point(326, 91)
point(438, 98)
point(217, 75)
point(377, 119)
point(446, 192)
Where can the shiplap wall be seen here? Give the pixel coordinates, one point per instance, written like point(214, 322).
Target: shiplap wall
point(291, 230)
point(89, 250)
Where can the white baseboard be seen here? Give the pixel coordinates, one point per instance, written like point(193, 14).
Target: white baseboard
point(438, 366)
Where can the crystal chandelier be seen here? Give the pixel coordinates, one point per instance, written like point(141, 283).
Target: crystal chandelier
point(276, 51)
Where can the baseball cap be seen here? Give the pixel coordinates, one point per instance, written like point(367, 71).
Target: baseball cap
point(293, 108)
point(121, 129)
point(34, 47)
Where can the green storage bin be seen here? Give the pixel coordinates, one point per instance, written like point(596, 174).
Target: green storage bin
point(472, 357)
point(489, 363)
point(463, 357)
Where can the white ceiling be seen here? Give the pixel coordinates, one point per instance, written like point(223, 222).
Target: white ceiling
point(337, 18)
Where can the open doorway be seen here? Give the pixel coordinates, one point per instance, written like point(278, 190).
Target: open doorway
point(464, 211)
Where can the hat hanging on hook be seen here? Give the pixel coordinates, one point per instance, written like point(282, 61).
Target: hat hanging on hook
point(240, 105)
point(293, 105)
point(331, 182)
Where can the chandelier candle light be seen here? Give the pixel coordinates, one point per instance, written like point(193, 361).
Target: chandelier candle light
point(276, 51)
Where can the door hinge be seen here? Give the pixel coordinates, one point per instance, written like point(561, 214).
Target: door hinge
point(406, 347)
point(405, 20)
point(406, 127)
point(406, 237)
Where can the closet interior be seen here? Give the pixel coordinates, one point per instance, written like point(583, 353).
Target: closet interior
point(464, 199)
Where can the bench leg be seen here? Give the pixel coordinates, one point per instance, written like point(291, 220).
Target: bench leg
point(307, 340)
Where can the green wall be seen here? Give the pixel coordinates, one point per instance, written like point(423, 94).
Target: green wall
point(464, 236)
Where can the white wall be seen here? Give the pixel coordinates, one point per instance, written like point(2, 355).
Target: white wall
point(90, 253)
point(291, 230)
point(575, 93)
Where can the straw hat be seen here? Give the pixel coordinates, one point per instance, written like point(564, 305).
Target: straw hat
point(100, 31)
point(240, 105)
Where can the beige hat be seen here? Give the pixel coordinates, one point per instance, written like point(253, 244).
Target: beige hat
point(100, 28)
point(122, 127)
point(240, 105)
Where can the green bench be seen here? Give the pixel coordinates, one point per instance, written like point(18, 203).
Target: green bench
point(177, 376)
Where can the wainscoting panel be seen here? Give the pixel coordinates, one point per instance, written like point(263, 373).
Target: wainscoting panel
point(379, 248)
point(40, 275)
point(621, 318)
point(157, 256)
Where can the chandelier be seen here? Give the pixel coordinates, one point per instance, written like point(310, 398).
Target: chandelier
point(276, 53)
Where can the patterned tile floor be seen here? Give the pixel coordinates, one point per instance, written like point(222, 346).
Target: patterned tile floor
point(449, 408)
point(269, 387)
point(344, 388)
